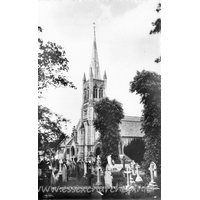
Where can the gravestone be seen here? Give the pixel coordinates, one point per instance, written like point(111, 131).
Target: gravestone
point(138, 177)
point(132, 164)
point(153, 173)
point(85, 169)
point(98, 167)
point(60, 166)
point(77, 170)
point(64, 173)
point(123, 159)
point(108, 177)
point(60, 171)
point(128, 173)
point(89, 174)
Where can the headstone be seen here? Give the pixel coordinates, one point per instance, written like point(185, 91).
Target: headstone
point(132, 182)
point(60, 166)
point(60, 171)
point(77, 170)
point(109, 160)
point(89, 174)
point(108, 178)
point(152, 169)
point(54, 177)
point(128, 173)
point(98, 168)
point(123, 159)
point(138, 177)
point(85, 169)
point(98, 160)
point(39, 172)
point(153, 174)
point(64, 173)
point(132, 165)
point(92, 167)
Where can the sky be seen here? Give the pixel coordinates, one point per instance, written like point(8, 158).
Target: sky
point(123, 42)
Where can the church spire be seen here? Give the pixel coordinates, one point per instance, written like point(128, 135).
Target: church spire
point(95, 59)
point(104, 76)
point(84, 78)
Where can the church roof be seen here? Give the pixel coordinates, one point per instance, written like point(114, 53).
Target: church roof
point(130, 127)
point(132, 118)
point(69, 142)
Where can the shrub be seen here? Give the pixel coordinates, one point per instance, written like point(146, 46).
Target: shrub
point(118, 179)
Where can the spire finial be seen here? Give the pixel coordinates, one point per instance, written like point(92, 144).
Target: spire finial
point(94, 27)
point(84, 78)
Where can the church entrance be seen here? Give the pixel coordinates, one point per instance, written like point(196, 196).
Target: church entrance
point(98, 151)
point(72, 151)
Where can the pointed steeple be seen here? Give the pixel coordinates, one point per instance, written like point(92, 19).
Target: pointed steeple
point(95, 59)
point(90, 73)
point(104, 76)
point(84, 78)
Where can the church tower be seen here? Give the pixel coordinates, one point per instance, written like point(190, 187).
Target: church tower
point(85, 140)
point(94, 89)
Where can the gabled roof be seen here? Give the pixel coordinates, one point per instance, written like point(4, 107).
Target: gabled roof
point(69, 142)
point(132, 118)
point(130, 127)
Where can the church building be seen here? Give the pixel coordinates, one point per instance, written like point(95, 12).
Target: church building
point(84, 142)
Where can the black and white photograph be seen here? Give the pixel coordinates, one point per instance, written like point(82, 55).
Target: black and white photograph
point(99, 99)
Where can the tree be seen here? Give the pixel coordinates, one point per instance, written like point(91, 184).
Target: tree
point(52, 69)
point(135, 150)
point(108, 115)
point(52, 65)
point(50, 129)
point(157, 28)
point(148, 85)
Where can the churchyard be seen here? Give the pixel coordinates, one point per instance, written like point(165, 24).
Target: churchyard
point(89, 180)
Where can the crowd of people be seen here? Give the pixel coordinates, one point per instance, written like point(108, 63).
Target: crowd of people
point(54, 170)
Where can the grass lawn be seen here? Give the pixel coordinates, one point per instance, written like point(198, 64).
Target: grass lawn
point(59, 195)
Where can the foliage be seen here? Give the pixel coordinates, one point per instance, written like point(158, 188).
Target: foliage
point(52, 69)
point(118, 179)
point(148, 85)
point(50, 129)
point(157, 28)
point(135, 150)
point(108, 117)
point(52, 65)
point(157, 23)
point(157, 60)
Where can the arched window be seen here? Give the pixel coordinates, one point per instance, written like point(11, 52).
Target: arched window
point(87, 93)
point(95, 91)
point(101, 93)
